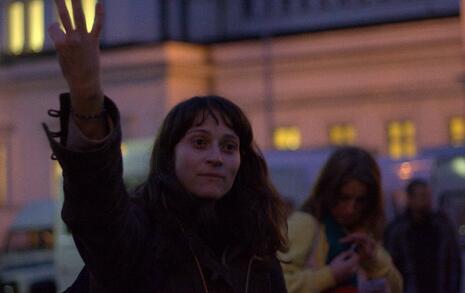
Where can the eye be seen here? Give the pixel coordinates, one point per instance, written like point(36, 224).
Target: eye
point(230, 146)
point(199, 142)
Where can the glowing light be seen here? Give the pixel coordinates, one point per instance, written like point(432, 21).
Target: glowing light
point(458, 165)
point(88, 6)
point(287, 138)
point(405, 171)
point(69, 6)
point(124, 149)
point(16, 27)
point(36, 25)
point(457, 130)
point(395, 150)
point(56, 180)
point(89, 11)
point(342, 134)
point(401, 137)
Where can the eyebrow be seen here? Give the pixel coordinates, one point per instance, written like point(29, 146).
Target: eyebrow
point(201, 130)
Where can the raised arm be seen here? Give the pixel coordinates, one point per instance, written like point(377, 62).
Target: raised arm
point(79, 57)
point(109, 230)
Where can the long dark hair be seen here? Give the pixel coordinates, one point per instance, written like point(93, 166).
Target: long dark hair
point(345, 164)
point(252, 209)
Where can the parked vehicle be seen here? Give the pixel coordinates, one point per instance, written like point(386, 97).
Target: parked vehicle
point(26, 259)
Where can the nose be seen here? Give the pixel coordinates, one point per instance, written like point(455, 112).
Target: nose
point(215, 156)
point(350, 207)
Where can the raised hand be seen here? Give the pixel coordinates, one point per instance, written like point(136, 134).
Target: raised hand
point(79, 56)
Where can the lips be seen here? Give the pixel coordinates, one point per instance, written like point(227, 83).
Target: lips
point(212, 175)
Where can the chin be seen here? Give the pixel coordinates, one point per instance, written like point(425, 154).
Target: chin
point(209, 194)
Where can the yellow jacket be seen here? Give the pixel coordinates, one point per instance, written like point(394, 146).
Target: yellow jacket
point(304, 265)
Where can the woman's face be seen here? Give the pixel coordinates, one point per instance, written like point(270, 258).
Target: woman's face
point(207, 158)
point(350, 204)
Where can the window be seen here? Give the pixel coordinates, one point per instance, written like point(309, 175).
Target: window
point(26, 27)
point(88, 6)
point(16, 27)
point(457, 130)
point(3, 174)
point(26, 24)
point(401, 139)
point(342, 134)
point(287, 138)
point(36, 25)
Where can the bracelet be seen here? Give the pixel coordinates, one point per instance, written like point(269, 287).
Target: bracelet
point(100, 115)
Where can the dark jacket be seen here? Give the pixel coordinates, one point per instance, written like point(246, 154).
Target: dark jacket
point(426, 253)
point(127, 249)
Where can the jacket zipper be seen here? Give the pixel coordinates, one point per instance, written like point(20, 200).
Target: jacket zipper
point(249, 269)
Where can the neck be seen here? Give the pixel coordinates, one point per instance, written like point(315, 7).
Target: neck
point(197, 214)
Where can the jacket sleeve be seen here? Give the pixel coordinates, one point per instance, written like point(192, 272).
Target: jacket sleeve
point(299, 277)
point(107, 227)
point(383, 267)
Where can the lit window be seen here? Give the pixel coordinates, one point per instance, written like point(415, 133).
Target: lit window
point(3, 174)
point(287, 138)
point(88, 6)
point(26, 29)
point(401, 139)
point(16, 27)
point(457, 130)
point(36, 25)
point(342, 134)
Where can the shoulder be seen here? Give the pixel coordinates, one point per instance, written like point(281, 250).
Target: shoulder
point(302, 220)
point(302, 228)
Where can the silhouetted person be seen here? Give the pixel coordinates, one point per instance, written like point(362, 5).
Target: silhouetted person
point(423, 245)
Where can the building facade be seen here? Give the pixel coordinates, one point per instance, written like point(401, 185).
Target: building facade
point(384, 75)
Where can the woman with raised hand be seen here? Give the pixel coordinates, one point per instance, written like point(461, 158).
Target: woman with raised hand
point(334, 238)
point(206, 219)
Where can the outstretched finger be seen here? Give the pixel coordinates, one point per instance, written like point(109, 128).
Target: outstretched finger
point(56, 34)
point(78, 14)
point(98, 22)
point(64, 15)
